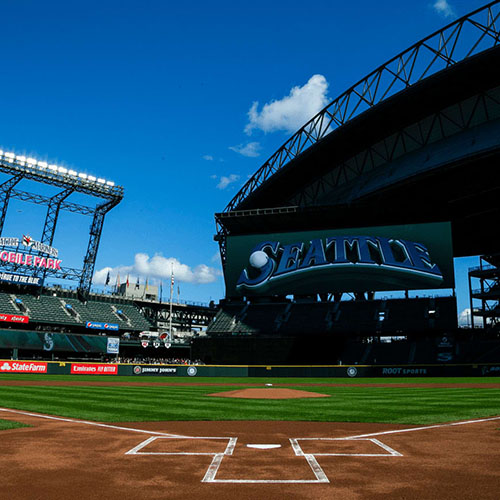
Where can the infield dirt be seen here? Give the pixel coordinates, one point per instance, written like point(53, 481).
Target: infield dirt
point(70, 459)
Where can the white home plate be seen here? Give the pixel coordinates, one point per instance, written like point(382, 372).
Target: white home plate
point(264, 446)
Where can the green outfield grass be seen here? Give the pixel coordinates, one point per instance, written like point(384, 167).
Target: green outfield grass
point(395, 404)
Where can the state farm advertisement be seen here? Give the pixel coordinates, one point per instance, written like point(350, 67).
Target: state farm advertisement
point(23, 367)
point(14, 318)
point(93, 369)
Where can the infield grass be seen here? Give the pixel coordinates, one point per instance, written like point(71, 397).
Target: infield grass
point(10, 424)
point(125, 403)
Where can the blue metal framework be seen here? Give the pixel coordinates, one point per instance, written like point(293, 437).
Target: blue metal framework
point(21, 168)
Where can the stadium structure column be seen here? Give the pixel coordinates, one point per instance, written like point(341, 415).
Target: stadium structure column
point(49, 227)
point(94, 239)
point(5, 191)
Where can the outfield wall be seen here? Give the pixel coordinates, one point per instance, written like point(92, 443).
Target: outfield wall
point(194, 371)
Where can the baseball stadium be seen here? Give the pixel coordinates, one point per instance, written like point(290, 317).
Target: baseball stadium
point(334, 366)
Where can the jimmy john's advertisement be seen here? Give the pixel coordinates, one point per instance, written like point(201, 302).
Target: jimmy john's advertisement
point(385, 258)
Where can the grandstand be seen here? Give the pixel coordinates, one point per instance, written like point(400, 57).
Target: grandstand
point(61, 321)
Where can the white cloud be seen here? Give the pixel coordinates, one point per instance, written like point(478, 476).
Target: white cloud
point(291, 112)
point(216, 258)
point(464, 318)
point(157, 268)
point(208, 157)
point(252, 149)
point(444, 8)
point(225, 181)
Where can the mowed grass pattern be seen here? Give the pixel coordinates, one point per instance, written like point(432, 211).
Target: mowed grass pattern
point(398, 404)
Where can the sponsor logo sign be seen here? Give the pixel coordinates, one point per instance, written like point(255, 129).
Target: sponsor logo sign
point(93, 369)
point(404, 371)
point(144, 343)
point(96, 325)
point(23, 367)
point(19, 278)
point(155, 370)
point(490, 370)
point(29, 242)
point(113, 345)
point(376, 258)
point(14, 318)
point(29, 260)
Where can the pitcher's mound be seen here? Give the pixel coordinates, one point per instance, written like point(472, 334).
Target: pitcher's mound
point(270, 393)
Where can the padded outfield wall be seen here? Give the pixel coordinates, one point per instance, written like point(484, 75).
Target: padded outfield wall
point(194, 371)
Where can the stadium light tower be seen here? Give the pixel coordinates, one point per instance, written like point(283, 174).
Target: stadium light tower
point(19, 168)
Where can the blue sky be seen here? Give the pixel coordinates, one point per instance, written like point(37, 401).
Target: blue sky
point(160, 98)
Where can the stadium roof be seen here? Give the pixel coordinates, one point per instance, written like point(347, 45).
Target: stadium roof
point(460, 40)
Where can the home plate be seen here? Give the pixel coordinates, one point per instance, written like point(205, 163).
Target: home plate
point(264, 446)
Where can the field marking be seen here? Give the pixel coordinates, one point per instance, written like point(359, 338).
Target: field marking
point(423, 428)
point(213, 469)
point(390, 451)
point(264, 446)
point(88, 422)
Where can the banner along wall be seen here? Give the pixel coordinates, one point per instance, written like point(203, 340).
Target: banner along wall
point(385, 258)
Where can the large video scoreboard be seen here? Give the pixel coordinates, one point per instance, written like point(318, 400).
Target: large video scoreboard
point(384, 258)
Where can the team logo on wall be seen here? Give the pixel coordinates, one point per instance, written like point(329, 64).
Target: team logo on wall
point(144, 343)
point(352, 371)
point(358, 262)
point(192, 371)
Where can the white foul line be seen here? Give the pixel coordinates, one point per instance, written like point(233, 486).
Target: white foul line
point(87, 422)
point(424, 428)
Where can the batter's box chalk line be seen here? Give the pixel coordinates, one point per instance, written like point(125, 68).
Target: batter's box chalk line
point(213, 469)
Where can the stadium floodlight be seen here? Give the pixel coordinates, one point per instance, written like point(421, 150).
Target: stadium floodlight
point(82, 182)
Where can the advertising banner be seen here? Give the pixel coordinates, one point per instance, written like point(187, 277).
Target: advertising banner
point(405, 257)
point(93, 369)
point(19, 278)
point(154, 370)
point(113, 346)
point(14, 318)
point(96, 325)
point(48, 341)
point(23, 367)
